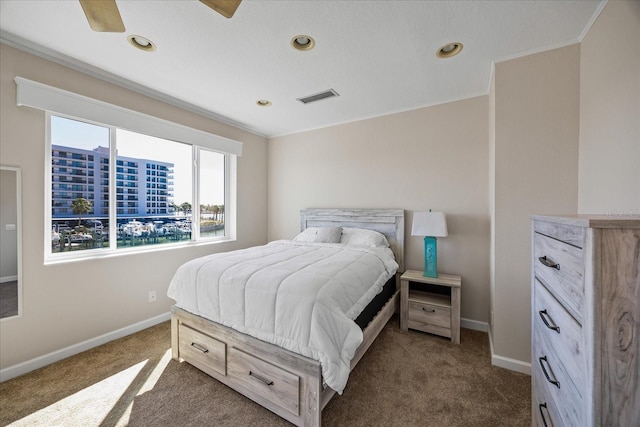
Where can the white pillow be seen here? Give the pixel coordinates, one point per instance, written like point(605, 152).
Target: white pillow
point(328, 235)
point(363, 237)
point(308, 235)
point(320, 235)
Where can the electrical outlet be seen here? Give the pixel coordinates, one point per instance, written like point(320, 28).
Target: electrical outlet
point(491, 317)
point(152, 296)
point(10, 227)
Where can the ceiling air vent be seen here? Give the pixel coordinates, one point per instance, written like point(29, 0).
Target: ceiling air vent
point(318, 96)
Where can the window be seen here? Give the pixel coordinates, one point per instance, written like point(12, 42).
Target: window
point(114, 189)
point(211, 193)
point(121, 180)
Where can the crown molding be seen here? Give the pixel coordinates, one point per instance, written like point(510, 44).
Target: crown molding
point(19, 43)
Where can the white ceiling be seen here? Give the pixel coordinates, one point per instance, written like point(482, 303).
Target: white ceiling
point(378, 55)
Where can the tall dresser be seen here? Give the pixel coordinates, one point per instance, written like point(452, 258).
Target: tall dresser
point(585, 281)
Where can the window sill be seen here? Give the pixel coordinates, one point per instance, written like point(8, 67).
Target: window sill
point(100, 254)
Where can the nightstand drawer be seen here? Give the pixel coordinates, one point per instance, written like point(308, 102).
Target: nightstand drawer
point(430, 318)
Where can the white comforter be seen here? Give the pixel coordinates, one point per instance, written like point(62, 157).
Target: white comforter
point(300, 296)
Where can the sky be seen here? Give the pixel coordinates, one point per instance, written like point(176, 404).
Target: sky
point(74, 133)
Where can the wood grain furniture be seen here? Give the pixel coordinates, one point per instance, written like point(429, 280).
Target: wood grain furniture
point(585, 359)
point(282, 381)
point(433, 307)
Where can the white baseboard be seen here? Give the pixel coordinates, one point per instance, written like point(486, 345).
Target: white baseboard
point(47, 359)
point(474, 325)
point(8, 279)
point(507, 362)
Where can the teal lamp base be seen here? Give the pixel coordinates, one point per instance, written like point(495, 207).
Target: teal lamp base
point(430, 257)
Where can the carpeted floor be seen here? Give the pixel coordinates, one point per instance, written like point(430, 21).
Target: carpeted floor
point(405, 379)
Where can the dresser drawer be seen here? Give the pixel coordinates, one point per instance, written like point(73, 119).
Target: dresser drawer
point(545, 412)
point(202, 351)
point(560, 332)
point(430, 313)
point(565, 233)
point(554, 382)
point(265, 380)
point(561, 267)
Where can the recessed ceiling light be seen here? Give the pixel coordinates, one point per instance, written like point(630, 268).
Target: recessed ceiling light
point(142, 43)
point(303, 42)
point(449, 50)
point(263, 103)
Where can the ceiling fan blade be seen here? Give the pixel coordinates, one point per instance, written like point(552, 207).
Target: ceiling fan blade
point(103, 15)
point(225, 8)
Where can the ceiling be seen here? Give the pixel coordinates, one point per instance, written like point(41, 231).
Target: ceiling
point(379, 56)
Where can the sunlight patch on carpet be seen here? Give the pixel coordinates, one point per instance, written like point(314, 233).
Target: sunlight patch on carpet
point(155, 374)
point(148, 385)
point(89, 406)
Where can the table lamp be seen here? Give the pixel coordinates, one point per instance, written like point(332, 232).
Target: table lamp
point(431, 225)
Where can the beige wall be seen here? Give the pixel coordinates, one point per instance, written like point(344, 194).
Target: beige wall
point(536, 172)
point(434, 157)
point(66, 304)
point(566, 140)
point(610, 112)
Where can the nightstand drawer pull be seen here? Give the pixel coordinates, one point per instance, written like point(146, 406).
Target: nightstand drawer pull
point(544, 315)
point(261, 379)
point(554, 381)
point(544, 419)
point(548, 263)
point(433, 310)
point(199, 347)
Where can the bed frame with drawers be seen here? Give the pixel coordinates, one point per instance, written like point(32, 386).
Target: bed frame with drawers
point(282, 381)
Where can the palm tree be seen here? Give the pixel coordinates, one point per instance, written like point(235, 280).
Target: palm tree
point(81, 206)
point(186, 207)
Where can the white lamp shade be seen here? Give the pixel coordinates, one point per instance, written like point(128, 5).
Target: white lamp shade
point(429, 224)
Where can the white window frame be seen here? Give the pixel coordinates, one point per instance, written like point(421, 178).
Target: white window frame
point(55, 101)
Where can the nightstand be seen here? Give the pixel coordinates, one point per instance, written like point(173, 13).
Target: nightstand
point(431, 304)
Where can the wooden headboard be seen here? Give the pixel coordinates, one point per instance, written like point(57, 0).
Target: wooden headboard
point(389, 222)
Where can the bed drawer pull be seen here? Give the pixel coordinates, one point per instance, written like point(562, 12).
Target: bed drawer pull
point(544, 316)
point(260, 378)
point(554, 381)
point(199, 347)
point(548, 263)
point(544, 419)
point(433, 310)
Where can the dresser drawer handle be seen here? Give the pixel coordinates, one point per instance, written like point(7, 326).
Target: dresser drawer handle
point(548, 263)
point(433, 310)
point(262, 379)
point(544, 315)
point(544, 419)
point(199, 347)
point(554, 381)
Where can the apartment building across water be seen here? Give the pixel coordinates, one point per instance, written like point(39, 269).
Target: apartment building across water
point(143, 187)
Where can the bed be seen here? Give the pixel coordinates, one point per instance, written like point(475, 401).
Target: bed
point(294, 379)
